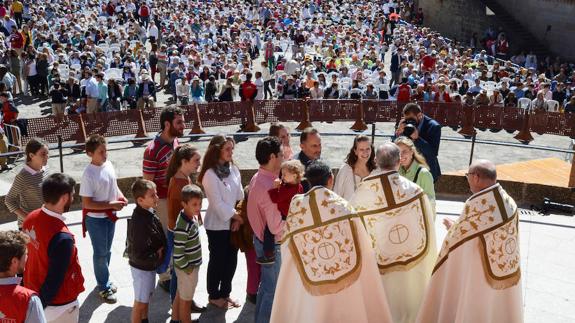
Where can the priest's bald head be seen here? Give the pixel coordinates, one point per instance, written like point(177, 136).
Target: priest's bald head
point(387, 157)
point(481, 175)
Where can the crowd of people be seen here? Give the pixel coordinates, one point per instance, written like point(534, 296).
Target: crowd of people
point(358, 246)
point(109, 55)
point(95, 56)
point(92, 56)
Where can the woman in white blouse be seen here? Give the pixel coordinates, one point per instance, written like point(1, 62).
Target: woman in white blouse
point(222, 185)
point(359, 163)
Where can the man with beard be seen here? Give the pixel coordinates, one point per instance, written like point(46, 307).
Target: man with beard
point(52, 269)
point(19, 304)
point(155, 166)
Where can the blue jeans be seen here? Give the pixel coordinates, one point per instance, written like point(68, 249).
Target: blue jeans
point(101, 232)
point(269, 279)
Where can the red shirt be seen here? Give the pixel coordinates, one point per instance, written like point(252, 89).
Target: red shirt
point(249, 91)
point(41, 228)
point(156, 159)
point(428, 62)
point(282, 196)
point(403, 93)
point(15, 300)
point(16, 40)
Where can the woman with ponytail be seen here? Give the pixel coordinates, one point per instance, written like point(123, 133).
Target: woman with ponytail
point(184, 164)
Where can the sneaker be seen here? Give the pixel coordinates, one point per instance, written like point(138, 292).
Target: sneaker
point(108, 296)
point(113, 288)
point(165, 284)
point(265, 260)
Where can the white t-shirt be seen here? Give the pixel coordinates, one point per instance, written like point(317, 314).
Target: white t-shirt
point(260, 86)
point(100, 183)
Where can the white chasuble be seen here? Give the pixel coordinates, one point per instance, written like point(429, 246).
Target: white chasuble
point(477, 277)
point(400, 222)
point(328, 271)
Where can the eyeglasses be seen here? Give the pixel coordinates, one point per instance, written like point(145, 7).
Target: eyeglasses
point(467, 174)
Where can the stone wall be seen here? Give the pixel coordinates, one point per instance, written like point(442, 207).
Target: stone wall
point(536, 15)
point(456, 18)
point(461, 18)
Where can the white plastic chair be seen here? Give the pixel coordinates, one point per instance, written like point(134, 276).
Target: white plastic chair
point(524, 103)
point(383, 87)
point(552, 106)
point(113, 73)
point(490, 86)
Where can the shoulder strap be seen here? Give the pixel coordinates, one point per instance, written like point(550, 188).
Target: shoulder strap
point(417, 174)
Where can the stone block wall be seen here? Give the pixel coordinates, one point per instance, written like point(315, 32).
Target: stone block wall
point(457, 18)
point(536, 15)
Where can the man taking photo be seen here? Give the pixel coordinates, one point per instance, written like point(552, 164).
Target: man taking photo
point(425, 133)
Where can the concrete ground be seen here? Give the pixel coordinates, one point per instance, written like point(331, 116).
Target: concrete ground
point(547, 264)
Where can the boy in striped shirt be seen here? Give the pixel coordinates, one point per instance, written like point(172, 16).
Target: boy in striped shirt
point(187, 250)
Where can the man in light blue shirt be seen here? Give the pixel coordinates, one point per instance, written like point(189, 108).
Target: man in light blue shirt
point(92, 94)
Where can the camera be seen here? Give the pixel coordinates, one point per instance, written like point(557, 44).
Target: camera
point(409, 127)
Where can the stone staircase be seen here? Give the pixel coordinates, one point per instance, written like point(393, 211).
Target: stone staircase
point(520, 38)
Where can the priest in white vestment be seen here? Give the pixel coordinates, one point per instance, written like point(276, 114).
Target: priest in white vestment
point(328, 272)
point(400, 222)
point(477, 277)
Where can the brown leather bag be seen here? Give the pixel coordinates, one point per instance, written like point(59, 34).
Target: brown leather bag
point(243, 238)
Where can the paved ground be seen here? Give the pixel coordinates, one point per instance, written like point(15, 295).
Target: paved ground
point(548, 272)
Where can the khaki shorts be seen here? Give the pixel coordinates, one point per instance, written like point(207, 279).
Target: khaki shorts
point(187, 283)
point(92, 105)
point(58, 108)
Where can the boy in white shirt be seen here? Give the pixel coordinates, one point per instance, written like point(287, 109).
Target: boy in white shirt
point(259, 82)
point(101, 199)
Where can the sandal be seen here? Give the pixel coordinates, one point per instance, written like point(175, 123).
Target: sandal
point(232, 303)
point(219, 303)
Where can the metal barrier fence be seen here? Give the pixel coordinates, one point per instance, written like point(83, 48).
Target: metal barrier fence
point(139, 122)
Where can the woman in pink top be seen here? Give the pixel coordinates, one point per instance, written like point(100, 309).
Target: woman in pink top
point(282, 132)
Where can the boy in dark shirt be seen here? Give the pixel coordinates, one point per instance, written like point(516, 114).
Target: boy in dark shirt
point(146, 243)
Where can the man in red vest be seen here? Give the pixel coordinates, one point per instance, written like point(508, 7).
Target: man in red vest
point(18, 304)
point(52, 269)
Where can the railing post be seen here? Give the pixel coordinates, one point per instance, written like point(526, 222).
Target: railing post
point(472, 148)
point(141, 133)
point(524, 136)
point(305, 123)
point(61, 156)
point(359, 124)
point(467, 129)
point(251, 125)
point(83, 134)
point(572, 173)
point(197, 127)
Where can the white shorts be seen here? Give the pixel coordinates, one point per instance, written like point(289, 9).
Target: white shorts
point(144, 283)
point(187, 283)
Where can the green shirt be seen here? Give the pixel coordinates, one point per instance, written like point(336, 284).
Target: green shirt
point(424, 179)
point(187, 247)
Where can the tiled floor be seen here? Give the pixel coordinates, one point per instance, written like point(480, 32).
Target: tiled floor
point(548, 268)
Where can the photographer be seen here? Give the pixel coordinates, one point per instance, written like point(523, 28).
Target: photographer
point(425, 133)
